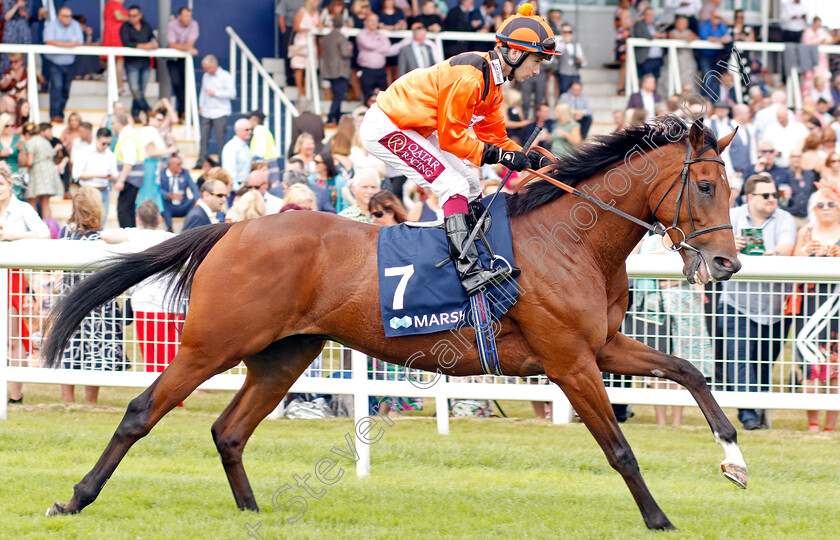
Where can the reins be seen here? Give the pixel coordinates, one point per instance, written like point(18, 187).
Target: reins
point(656, 228)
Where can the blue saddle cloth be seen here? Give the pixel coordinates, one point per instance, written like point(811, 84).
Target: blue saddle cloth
point(417, 298)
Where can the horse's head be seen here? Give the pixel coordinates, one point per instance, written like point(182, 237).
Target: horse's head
point(695, 208)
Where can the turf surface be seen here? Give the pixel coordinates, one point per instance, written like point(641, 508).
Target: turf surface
point(497, 478)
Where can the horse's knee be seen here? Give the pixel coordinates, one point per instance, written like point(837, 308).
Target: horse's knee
point(135, 422)
point(228, 444)
point(622, 459)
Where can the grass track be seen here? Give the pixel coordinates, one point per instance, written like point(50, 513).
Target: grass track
point(505, 478)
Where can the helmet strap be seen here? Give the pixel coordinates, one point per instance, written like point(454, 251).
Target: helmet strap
point(514, 65)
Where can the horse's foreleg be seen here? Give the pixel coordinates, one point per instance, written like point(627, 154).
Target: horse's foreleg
point(585, 389)
point(626, 356)
point(270, 374)
point(187, 370)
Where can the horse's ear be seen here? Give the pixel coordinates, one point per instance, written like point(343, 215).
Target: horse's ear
point(724, 142)
point(697, 135)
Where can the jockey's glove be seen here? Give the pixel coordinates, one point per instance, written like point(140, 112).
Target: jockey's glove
point(538, 160)
point(512, 159)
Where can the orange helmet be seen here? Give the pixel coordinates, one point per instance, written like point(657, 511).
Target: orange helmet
point(527, 32)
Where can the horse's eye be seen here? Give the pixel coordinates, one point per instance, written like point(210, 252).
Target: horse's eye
point(705, 188)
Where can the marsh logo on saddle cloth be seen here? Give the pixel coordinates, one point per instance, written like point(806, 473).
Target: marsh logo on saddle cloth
point(413, 155)
point(417, 298)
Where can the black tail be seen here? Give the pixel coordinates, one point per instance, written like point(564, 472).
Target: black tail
point(184, 252)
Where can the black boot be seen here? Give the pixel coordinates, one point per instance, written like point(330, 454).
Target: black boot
point(473, 276)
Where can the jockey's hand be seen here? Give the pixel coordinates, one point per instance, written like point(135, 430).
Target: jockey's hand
point(512, 159)
point(538, 161)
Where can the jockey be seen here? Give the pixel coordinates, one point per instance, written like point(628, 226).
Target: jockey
point(419, 127)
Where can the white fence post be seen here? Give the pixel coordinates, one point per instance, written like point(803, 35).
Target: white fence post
point(358, 366)
point(4, 338)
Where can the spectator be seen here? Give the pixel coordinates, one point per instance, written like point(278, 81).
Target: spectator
point(137, 33)
point(335, 67)
point(18, 221)
point(458, 20)
point(835, 93)
point(130, 160)
point(647, 98)
point(181, 34)
point(7, 104)
point(178, 190)
point(306, 20)
point(685, 9)
point(11, 145)
point(581, 111)
point(62, 31)
point(72, 132)
point(22, 112)
point(430, 18)
point(249, 206)
point(785, 135)
point(15, 79)
point(706, 10)
point(767, 115)
point(566, 132)
point(743, 150)
point(391, 18)
point(793, 18)
point(418, 54)
point(720, 122)
point(800, 189)
point(516, 123)
point(97, 343)
point(821, 91)
point(386, 209)
point(740, 30)
point(820, 238)
point(44, 181)
point(304, 150)
point(335, 16)
point(155, 150)
point(374, 46)
point(118, 109)
point(327, 176)
point(61, 158)
point(767, 163)
point(96, 168)
point(157, 322)
point(542, 119)
point(429, 208)
point(648, 59)
point(16, 28)
point(485, 13)
point(301, 197)
point(364, 185)
point(309, 123)
point(571, 61)
point(86, 67)
point(213, 194)
point(114, 15)
point(713, 30)
point(217, 90)
point(831, 172)
point(258, 181)
point(340, 150)
point(286, 12)
point(685, 57)
point(751, 313)
point(236, 154)
point(623, 30)
point(263, 147)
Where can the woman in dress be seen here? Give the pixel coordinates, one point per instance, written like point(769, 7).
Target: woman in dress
point(821, 238)
point(11, 146)
point(22, 112)
point(114, 14)
point(15, 80)
point(391, 18)
point(623, 25)
point(156, 149)
point(72, 132)
point(44, 181)
point(306, 20)
point(685, 57)
point(815, 35)
point(565, 134)
point(327, 176)
point(16, 30)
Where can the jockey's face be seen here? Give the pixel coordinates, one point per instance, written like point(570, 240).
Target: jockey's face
point(529, 68)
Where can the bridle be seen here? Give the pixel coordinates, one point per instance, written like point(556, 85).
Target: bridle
point(684, 190)
point(656, 228)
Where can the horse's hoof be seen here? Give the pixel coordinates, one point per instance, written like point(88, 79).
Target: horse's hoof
point(56, 509)
point(736, 473)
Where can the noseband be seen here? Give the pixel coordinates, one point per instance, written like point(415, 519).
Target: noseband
point(683, 177)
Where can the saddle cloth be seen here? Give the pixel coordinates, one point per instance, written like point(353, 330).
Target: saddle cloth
point(417, 298)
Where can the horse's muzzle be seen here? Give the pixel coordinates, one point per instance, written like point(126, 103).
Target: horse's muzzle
point(723, 268)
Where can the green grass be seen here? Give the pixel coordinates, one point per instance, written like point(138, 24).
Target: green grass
point(498, 478)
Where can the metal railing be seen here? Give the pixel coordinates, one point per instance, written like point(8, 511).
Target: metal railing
point(675, 78)
point(191, 109)
point(258, 90)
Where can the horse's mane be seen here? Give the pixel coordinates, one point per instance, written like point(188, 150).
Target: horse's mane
point(599, 153)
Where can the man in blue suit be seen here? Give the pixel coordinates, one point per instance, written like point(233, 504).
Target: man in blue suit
point(213, 196)
point(178, 190)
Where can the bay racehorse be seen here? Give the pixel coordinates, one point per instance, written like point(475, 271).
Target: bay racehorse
point(270, 292)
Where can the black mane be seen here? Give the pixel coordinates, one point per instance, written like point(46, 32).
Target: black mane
point(601, 152)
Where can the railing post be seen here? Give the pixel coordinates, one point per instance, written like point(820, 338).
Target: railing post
point(358, 366)
point(243, 83)
point(255, 90)
point(191, 105)
point(675, 79)
point(32, 91)
point(631, 83)
point(279, 121)
point(113, 84)
point(442, 406)
point(232, 56)
point(4, 331)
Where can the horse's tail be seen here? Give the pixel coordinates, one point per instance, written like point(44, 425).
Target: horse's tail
point(184, 252)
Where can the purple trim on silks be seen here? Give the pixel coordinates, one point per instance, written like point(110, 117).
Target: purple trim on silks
point(413, 155)
point(456, 204)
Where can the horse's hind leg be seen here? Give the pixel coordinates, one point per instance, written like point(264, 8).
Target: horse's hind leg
point(188, 369)
point(270, 374)
point(584, 387)
point(626, 356)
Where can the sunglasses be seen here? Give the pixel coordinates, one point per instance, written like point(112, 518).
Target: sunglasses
point(379, 213)
point(829, 204)
point(766, 196)
point(318, 160)
point(219, 195)
point(835, 161)
point(767, 152)
point(254, 187)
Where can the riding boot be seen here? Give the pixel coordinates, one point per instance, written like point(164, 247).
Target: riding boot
point(473, 276)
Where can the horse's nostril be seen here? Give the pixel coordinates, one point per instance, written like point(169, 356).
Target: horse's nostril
point(726, 263)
